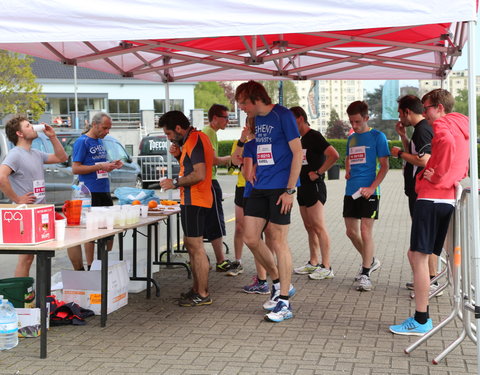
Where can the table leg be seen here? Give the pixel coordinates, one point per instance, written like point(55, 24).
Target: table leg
point(149, 260)
point(103, 255)
point(120, 246)
point(44, 270)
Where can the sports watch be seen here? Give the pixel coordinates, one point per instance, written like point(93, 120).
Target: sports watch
point(175, 183)
point(290, 191)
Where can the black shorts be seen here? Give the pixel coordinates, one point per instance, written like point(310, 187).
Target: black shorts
point(263, 203)
point(215, 225)
point(430, 226)
point(239, 198)
point(193, 220)
point(101, 199)
point(361, 207)
point(309, 194)
point(412, 198)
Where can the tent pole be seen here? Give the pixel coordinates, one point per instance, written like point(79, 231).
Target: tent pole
point(169, 156)
point(472, 114)
point(75, 88)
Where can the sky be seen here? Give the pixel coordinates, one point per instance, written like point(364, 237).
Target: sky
point(461, 64)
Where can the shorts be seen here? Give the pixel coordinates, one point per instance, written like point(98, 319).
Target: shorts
point(263, 203)
point(215, 221)
point(239, 198)
point(101, 199)
point(310, 194)
point(412, 198)
point(430, 226)
point(193, 220)
point(361, 207)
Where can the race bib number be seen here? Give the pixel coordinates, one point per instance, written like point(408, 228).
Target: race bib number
point(304, 157)
point(101, 173)
point(265, 155)
point(39, 189)
point(357, 155)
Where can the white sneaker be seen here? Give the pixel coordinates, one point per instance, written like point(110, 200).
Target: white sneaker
point(275, 293)
point(431, 292)
point(364, 284)
point(305, 269)
point(321, 273)
point(375, 266)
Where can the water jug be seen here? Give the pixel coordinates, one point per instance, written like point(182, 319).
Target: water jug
point(8, 326)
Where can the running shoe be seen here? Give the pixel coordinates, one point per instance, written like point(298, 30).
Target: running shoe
point(409, 285)
point(364, 284)
point(279, 313)
point(188, 294)
point(375, 266)
point(274, 294)
point(306, 269)
point(235, 269)
point(411, 327)
point(256, 287)
point(224, 266)
point(322, 273)
point(432, 291)
point(195, 300)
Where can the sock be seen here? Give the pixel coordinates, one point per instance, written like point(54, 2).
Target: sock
point(366, 271)
point(285, 300)
point(276, 284)
point(323, 266)
point(428, 311)
point(88, 267)
point(421, 317)
point(261, 282)
point(239, 261)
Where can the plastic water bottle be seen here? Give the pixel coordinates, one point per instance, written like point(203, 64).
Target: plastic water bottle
point(81, 192)
point(8, 326)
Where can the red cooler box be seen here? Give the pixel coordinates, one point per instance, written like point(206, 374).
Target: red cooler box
point(27, 224)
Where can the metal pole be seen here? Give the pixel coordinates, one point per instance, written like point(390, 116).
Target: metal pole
point(280, 92)
point(169, 156)
point(75, 87)
point(472, 114)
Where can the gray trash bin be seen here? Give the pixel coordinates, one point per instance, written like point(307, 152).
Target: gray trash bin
point(334, 172)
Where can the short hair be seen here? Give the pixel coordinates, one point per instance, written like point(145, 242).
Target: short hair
point(440, 96)
point(299, 112)
point(12, 127)
point(216, 110)
point(98, 118)
point(254, 91)
point(171, 119)
point(410, 102)
point(358, 107)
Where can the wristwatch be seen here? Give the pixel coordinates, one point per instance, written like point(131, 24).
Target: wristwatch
point(319, 174)
point(399, 155)
point(290, 191)
point(175, 183)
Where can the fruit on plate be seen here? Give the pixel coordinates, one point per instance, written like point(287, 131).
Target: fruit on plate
point(136, 202)
point(152, 204)
point(167, 202)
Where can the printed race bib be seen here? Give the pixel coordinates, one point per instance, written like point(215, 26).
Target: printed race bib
point(304, 157)
point(39, 189)
point(265, 155)
point(357, 155)
point(101, 173)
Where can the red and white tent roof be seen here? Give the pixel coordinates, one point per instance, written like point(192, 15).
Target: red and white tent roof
point(239, 40)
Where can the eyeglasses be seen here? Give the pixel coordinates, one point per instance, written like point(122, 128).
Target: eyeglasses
point(223, 116)
point(425, 108)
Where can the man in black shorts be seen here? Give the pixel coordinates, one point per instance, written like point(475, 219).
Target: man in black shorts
point(91, 165)
point(279, 158)
point(436, 189)
point(318, 157)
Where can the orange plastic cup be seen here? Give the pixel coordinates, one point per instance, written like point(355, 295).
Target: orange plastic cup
point(72, 211)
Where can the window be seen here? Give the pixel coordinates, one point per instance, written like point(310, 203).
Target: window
point(175, 105)
point(115, 151)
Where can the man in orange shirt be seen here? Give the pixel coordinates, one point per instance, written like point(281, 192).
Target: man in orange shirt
point(195, 153)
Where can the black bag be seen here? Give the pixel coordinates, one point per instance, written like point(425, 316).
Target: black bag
point(62, 313)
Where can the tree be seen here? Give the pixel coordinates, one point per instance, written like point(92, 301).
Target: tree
point(374, 100)
point(290, 95)
point(209, 93)
point(19, 93)
point(461, 105)
point(229, 92)
point(336, 129)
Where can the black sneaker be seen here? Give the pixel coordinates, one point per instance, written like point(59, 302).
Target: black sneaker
point(224, 266)
point(235, 270)
point(188, 294)
point(195, 300)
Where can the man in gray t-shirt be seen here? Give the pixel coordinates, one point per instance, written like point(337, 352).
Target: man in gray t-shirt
point(21, 173)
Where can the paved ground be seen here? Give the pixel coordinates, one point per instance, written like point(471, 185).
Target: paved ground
point(336, 330)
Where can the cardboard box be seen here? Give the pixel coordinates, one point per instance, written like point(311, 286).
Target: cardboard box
point(29, 322)
point(27, 224)
point(84, 287)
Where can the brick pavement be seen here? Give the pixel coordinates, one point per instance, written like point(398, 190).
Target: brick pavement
point(336, 330)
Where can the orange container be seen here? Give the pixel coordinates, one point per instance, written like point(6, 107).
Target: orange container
point(73, 211)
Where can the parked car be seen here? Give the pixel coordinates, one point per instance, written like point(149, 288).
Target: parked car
point(152, 158)
point(59, 177)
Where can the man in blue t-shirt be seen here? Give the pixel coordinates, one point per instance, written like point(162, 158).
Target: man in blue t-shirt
point(90, 163)
point(366, 165)
point(279, 160)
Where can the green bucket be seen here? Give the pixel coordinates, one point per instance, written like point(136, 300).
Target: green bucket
point(19, 291)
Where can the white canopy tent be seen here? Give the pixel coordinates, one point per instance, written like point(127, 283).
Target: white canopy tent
point(219, 40)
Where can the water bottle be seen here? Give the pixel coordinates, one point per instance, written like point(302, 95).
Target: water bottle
point(81, 192)
point(8, 325)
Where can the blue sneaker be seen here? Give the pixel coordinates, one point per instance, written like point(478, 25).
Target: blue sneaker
point(412, 328)
point(256, 287)
point(274, 294)
point(280, 313)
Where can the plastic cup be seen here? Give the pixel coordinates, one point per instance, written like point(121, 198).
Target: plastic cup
point(60, 229)
point(73, 211)
point(91, 221)
point(144, 211)
point(39, 127)
point(109, 221)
